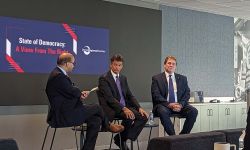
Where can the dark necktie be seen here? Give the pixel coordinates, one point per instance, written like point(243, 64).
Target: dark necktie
point(118, 83)
point(171, 90)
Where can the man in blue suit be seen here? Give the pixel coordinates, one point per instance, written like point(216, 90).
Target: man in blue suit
point(170, 95)
point(66, 103)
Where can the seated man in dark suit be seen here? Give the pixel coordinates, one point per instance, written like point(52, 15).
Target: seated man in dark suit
point(170, 95)
point(119, 102)
point(66, 105)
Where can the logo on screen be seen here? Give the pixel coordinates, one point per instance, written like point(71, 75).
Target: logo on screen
point(87, 50)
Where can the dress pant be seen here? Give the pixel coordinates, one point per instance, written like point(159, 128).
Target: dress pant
point(132, 128)
point(94, 118)
point(189, 112)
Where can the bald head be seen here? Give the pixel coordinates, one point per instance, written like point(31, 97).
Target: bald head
point(64, 58)
point(66, 61)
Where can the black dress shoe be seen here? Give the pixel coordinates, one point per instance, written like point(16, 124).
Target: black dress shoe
point(123, 145)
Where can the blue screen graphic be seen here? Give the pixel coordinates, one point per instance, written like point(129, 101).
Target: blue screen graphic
point(33, 46)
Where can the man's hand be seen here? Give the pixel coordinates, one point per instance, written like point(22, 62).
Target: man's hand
point(128, 113)
point(143, 112)
point(171, 105)
point(175, 107)
point(85, 94)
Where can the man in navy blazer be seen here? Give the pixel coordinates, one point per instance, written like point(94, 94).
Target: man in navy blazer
point(170, 95)
point(118, 101)
point(66, 103)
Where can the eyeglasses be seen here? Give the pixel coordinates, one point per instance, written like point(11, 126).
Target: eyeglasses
point(74, 63)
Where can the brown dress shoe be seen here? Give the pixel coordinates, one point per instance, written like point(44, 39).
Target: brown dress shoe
point(115, 128)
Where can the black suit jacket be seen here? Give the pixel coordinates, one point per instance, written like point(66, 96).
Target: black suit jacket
point(109, 96)
point(159, 90)
point(64, 97)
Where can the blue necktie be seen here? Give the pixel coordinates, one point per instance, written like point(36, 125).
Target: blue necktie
point(122, 100)
point(171, 90)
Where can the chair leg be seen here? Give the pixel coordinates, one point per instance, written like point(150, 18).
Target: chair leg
point(76, 139)
point(45, 137)
point(164, 132)
point(131, 145)
point(138, 144)
point(120, 140)
point(149, 137)
point(53, 139)
point(82, 138)
point(111, 141)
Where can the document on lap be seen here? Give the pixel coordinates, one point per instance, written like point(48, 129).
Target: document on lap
point(93, 89)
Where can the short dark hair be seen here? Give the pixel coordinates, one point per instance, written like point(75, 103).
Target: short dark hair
point(169, 57)
point(116, 57)
point(64, 58)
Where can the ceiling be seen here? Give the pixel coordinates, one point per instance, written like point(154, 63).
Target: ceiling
point(233, 8)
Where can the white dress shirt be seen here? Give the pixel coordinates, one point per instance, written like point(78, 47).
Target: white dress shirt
point(64, 72)
point(114, 75)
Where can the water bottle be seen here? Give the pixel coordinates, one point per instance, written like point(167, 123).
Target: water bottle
point(151, 118)
point(241, 140)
